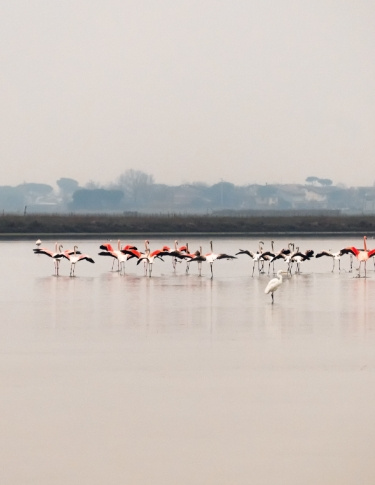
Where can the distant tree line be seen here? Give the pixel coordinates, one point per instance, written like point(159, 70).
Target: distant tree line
point(137, 191)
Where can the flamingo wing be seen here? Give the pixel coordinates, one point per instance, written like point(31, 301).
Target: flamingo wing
point(225, 256)
point(134, 253)
point(177, 254)
point(106, 247)
point(45, 251)
point(62, 255)
point(280, 256)
point(141, 258)
point(158, 253)
point(324, 253)
point(350, 250)
point(108, 253)
point(198, 257)
point(86, 257)
point(300, 255)
point(267, 255)
point(245, 251)
point(71, 251)
point(284, 251)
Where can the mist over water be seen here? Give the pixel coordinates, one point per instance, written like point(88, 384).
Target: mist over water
point(110, 378)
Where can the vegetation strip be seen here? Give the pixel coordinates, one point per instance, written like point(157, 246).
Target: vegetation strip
point(97, 225)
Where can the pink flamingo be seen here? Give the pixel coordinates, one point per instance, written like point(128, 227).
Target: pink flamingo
point(361, 254)
point(148, 257)
point(120, 254)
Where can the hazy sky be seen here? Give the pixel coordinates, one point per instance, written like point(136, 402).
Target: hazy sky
point(248, 91)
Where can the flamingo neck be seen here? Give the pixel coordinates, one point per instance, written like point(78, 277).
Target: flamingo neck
point(364, 243)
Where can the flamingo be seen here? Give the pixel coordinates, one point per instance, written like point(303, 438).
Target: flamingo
point(74, 257)
point(56, 255)
point(197, 256)
point(274, 284)
point(286, 255)
point(38, 243)
point(361, 254)
point(109, 251)
point(256, 257)
point(188, 256)
point(297, 257)
point(148, 257)
point(270, 256)
point(176, 253)
point(120, 255)
point(211, 257)
point(335, 257)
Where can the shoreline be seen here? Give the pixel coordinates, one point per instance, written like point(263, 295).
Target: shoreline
point(124, 226)
point(69, 235)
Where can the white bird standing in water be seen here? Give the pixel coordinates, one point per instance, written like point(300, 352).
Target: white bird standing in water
point(274, 283)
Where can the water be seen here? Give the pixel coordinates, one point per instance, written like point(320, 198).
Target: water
point(183, 379)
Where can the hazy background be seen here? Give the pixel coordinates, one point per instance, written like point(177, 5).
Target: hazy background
point(246, 91)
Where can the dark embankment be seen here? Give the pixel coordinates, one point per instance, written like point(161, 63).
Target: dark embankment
point(91, 225)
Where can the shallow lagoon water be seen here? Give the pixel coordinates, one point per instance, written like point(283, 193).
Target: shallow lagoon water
point(109, 378)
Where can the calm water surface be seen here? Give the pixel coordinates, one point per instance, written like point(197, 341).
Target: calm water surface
point(177, 379)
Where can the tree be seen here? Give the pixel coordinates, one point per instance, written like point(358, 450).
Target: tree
point(325, 182)
point(11, 198)
point(223, 194)
point(311, 180)
point(136, 185)
point(67, 185)
point(97, 199)
point(267, 191)
point(35, 190)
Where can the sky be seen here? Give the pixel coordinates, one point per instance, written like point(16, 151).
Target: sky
point(245, 91)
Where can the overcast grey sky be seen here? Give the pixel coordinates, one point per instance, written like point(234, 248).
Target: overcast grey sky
point(248, 91)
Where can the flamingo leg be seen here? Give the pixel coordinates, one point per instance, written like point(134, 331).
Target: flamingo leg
point(212, 273)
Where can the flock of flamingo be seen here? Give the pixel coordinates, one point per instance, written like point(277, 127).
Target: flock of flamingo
point(290, 255)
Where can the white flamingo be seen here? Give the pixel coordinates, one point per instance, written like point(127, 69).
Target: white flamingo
point(255, 256)
point(56, 255)
point(211, 257)
point(74, 258)
point(335, 257)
